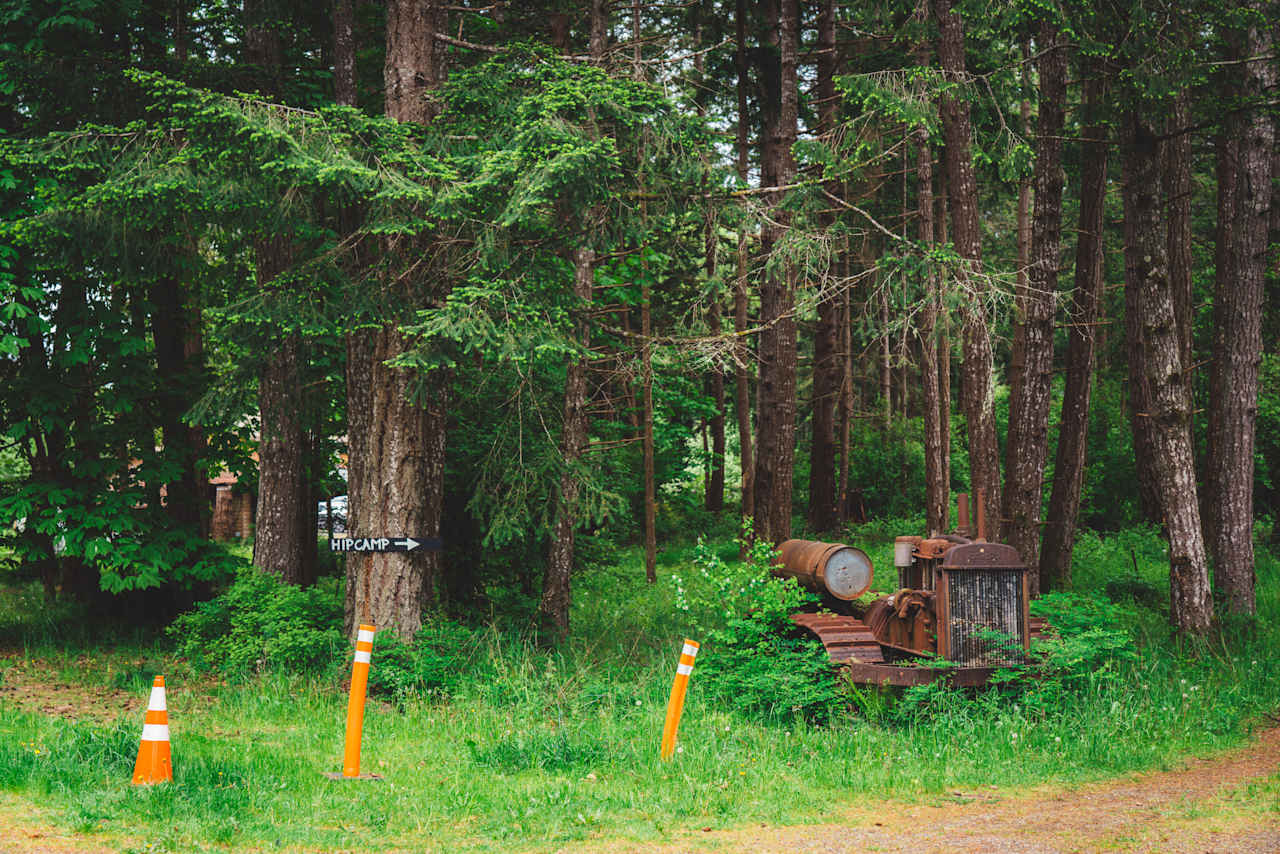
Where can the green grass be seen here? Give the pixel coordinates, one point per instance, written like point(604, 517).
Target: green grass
point(537, 747)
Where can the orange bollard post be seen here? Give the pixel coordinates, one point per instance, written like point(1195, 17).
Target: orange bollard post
point(155, 762)
point(675, 706)
point(355, 703)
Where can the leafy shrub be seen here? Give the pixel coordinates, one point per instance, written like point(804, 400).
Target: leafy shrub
point(1073, 614)
point(131, 546)
point(1089, 642)
point(751, 660)
point(1088, 646)
point(440, 657)
point(260, 623)
point(392, 667)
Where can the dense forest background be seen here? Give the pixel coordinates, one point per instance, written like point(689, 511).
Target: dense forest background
point(541, 277)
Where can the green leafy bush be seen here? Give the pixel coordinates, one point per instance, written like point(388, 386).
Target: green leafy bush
point(1089, 637)
point(442, 655)
point(260, 623)
point(1071, 615)
point(752, 661)
point(1088, 647)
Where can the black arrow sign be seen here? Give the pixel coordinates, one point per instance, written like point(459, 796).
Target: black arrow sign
point(385, 544)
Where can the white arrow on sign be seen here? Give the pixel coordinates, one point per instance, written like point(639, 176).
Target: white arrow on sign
point(409, 543)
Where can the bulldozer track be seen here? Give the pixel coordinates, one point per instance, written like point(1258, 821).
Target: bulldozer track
point(851, 645)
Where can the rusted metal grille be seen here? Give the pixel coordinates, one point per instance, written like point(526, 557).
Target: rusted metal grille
point(982, 600)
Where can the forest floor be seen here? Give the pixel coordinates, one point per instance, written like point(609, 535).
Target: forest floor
point(1228, 802)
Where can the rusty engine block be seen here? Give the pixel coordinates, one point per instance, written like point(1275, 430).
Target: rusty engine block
point(960, 598)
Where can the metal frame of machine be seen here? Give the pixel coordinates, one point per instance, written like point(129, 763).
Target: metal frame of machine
point(954, 591)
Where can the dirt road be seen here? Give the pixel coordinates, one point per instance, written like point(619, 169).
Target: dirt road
point(1226, 804)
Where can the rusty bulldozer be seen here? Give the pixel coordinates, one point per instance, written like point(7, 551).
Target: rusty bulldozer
point(960, 610)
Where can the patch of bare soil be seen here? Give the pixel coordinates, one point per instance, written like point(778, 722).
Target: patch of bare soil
point(28, 685)
point(25, 829)
point(1186, 811)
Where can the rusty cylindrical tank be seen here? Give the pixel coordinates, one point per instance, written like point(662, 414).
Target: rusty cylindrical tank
point(834, 568)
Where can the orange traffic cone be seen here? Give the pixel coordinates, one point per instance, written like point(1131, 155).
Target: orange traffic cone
point(154, 763)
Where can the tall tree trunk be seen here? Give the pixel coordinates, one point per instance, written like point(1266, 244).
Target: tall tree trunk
point(280, 534)
point(262, 45)
point(646, 356)
point(344, 53)
point(395, 475)
point(742, 356)
point(978, 388)
point(944, 350)
point(395, 485)
point(1237, 339)
point(936, 424)
point(1177, 174)
point(573, 442)
point(886, 358)
point(278, 545)
point(1028, 439)
point(828, 368)
point(1146, 271)
point(598, 37)
point(646, 359)
point(1141, 402)
point(1227, 148)
point(828, 372)
point(1140, 410)
point(846, 385)
point(937, 495)
point(646, 379)
point(715, 476)
point(776, 404)
point(179, 343)
point(556, 586)
point(1017, 360)
point(713, 496)
point(1068, 470)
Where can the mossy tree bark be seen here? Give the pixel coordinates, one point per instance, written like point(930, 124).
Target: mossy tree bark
point(776, 397)
point(1147, 274)
point(828, 370)
point(978, 387)
point(1082, 314)
point(1028, 438)
point(396, 465)
point(1237, 340)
